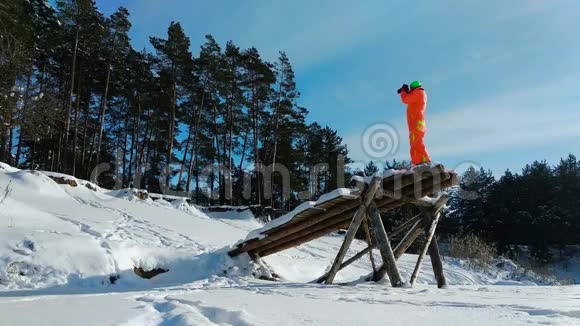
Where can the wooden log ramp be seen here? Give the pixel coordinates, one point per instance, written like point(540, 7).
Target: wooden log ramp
point(363, 206)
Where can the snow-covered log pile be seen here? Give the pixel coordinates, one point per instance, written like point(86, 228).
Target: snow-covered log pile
point(335, 210)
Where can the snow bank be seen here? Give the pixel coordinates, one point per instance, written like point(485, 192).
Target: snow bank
point(58, 236)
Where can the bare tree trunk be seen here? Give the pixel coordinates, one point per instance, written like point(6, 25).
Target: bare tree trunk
point(224, 156)
point(22, 119)
point(171, 131)
point(183, 160)
point(85, 131)
point(135, 138)
point(256, 152)
point(217, 155)
point(230, 150)
point(72, 85)
point(102, 114)
point(125, 146)
point(193, 162)
point(10, 141)
point(77, 108)
point(273, 178)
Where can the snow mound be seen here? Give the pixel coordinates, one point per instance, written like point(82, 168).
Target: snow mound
point(25, 183)
point(230, 212)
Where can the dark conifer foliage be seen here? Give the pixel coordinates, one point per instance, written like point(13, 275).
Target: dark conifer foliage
point(540, 207)
point(74, 94)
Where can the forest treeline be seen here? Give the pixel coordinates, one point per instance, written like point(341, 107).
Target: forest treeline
point(538, 208)
point(75, 93)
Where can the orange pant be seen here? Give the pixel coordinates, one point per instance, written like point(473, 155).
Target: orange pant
point(417, 130)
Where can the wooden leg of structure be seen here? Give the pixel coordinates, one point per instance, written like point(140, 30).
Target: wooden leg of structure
point(405, 225)
point(436, 261)
point(384, 246)
point(403, 245)
point(430, 235)
point(353, 228)
point(437, 264)
point(408, 239)
point(370, 243)
point(346, 263)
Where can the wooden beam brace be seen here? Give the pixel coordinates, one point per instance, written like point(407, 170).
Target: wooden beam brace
point(369, 242)
point(384, 246)
point(331, 224)
point(400, 249)
point(353, 228)
point(408, 239)
point(437, 264)
point(346, 263)
point(280, 233)
point(405, 225)
point(430, 235)
point(282, 245)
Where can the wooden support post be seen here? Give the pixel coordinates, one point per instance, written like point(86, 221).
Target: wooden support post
point(431, 215)
point(353, 228)
point(296, 238)
point(408, 239)
point(400, 249)
point(437, 264)
point(369, 242)
point(430, 235)
point(405, 225)
point(384, 246)
point(436, 261)
point(346, 263)
point(285, 230)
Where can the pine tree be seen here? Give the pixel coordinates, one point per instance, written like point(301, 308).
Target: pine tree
point(173, 60)
point(371, 168)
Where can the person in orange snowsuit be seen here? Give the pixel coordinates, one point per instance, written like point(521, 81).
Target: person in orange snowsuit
point(416, 100)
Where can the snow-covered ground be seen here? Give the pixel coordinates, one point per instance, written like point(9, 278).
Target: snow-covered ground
point(67, 256)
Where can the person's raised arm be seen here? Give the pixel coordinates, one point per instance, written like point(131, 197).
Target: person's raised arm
point(408, 97)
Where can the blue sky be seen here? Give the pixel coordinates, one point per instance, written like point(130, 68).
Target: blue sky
point(501, 77)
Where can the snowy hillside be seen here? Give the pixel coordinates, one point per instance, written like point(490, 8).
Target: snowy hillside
point(67, 256)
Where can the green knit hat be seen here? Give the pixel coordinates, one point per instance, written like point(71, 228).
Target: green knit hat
point(415, 84)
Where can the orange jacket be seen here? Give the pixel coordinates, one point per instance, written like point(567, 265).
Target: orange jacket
point(416, 101)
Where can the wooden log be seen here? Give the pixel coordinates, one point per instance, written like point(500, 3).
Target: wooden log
point(406, 224)
point(384, 246)
point(392, 186)
point(437, 264)
point(369, 242)
point(408, 239)
point(434, 254)
point(297, 224)
point(316, 231)
point(274, 235)
point(353, 228)
point(311, 236)
point(346, 263)
point(276, 246)
point(387, 205)
point(295, 227)
point(400, 249)
point(409, 193)
point(329, 225)
point(430, 235)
